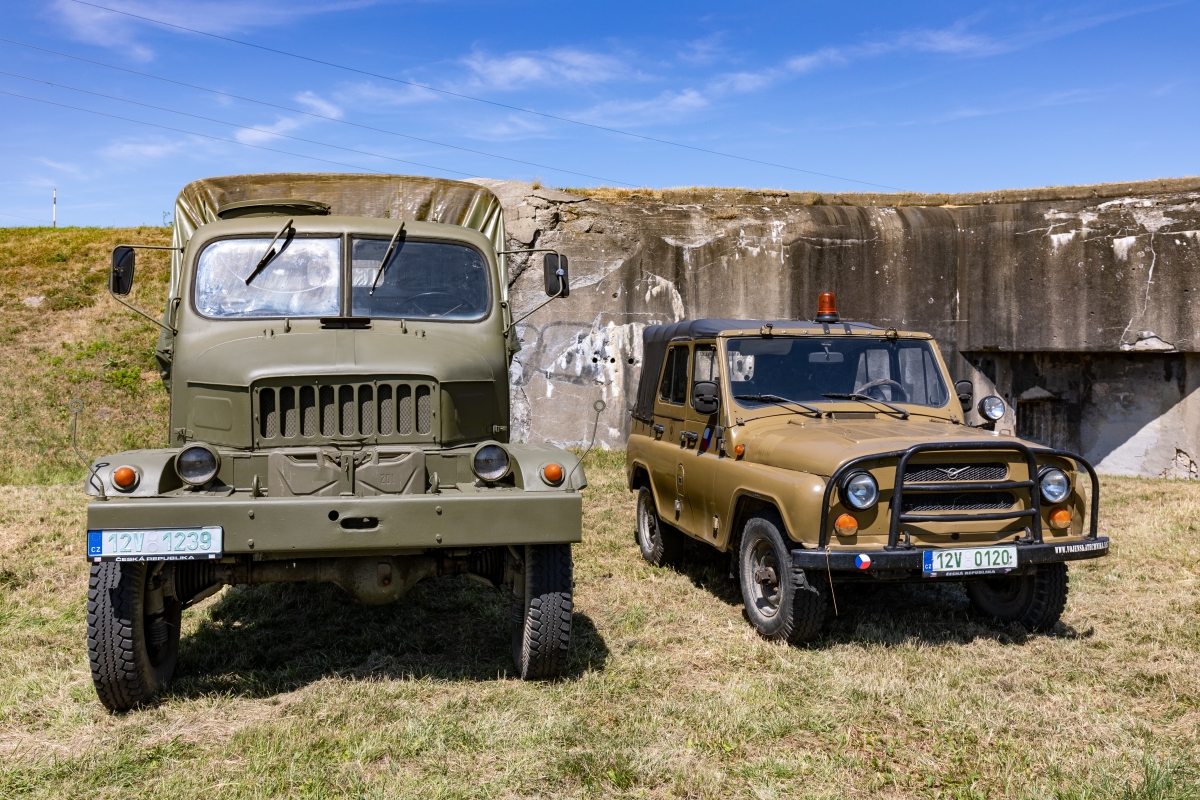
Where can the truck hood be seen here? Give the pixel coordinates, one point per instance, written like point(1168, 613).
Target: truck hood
point(821, 446)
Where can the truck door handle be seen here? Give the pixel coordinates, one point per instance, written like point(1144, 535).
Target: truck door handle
point(658, 431)
point(688, 438)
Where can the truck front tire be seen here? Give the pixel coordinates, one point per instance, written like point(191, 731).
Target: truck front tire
point(132, 633)
point(781, 603)
point(541, 631)
point(1035, 601)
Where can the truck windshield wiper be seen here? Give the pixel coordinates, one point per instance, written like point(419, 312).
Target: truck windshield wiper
point(387, 254)
point(267, 256)
point(866, 399)
point(774, 398)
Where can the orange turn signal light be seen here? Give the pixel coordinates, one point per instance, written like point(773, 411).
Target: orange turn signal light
point(845, 525)
point(1060, 518)
point(739, 450)
point(552, 474)
point(124, 478)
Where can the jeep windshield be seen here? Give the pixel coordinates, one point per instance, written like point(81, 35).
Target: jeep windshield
point(422, 279)
point(809, 370)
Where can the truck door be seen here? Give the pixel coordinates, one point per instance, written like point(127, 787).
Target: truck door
point(670, 414)
point(699, 456)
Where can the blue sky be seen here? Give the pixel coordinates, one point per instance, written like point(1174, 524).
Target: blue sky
point(936, 97)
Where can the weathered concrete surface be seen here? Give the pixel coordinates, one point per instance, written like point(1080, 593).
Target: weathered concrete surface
point(1074, 303)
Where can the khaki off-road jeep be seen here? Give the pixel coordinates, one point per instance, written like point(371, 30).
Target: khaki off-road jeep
point(829, 453)
point(339, 412)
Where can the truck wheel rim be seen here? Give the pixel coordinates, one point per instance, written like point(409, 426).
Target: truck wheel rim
point(764, 578)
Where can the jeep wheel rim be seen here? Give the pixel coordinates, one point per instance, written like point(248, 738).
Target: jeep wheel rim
point(764, 578)
point(647, 527)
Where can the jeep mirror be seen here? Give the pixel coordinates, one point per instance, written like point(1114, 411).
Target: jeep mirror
point(120, 279)
point(966, 393)
point(706, 397)
point(558, 282)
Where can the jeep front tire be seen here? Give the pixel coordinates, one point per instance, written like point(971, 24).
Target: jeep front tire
point(1035, 601)
point(659, 542)
point(132, 633)
point(781, 603)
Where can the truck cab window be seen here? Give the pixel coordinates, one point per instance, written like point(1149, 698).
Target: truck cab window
point(422, 280)
point(704, 364)
point(674, 383)
point(303, 280)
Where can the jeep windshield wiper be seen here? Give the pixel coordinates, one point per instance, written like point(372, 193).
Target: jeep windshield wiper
point(866, 399)
point(271, 253)
point(386, 255)
point(774, 398)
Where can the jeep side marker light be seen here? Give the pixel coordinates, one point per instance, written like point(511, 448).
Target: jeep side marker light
point(845, 525)
point(827, 307)
point(552, 474)
point(125, 478)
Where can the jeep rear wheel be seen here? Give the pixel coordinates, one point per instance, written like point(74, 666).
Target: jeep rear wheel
point(1035, 601)
point(659, 542)
point(132, 632)
point(782, 604)
point(541, 632)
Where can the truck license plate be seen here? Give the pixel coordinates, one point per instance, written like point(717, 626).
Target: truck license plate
point(970, 561)
point(174, 544)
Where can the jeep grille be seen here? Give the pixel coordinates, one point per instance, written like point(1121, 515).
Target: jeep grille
point(966, 501)
point(375, 411)
point(935, 473)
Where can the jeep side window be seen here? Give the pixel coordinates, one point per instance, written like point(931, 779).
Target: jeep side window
point(674, 382)
point(704, 364)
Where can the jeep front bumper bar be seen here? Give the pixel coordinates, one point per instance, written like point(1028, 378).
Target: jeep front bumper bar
point(912, 560)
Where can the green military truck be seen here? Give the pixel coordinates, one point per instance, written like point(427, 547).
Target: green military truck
point(826, 455)
point(336, 348)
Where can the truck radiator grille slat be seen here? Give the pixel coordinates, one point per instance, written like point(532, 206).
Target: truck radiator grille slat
point(965, 501)
point(936, 473)
point(376, 410)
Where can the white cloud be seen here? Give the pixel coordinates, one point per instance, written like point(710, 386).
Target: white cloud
point(666, 107)
point(702, 51)
point(70, 169)
point(317, 105)
point(287, 124)
point(372, 94)
point(144, 150)
point(562, 65)
point(514, 126)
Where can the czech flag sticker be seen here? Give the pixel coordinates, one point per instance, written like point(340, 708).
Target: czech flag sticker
point(862, 561)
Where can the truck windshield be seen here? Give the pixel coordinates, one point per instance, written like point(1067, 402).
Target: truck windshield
point(422, 280)
point(303, 280)
point(897, 371)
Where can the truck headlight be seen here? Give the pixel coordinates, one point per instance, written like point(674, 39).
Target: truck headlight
point(1055, 485)
point(991, 408)
point(860, 491)
point(197, 464)
point(490, 462)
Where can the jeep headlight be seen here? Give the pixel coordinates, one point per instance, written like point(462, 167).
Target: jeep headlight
point(197, 464)
point(1055, 485)
point(490, 462)
point(991, 408)
point(860, 491)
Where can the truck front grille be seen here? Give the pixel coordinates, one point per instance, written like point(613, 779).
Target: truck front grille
point(966, 501)
point(935, 473)
point(383, 411)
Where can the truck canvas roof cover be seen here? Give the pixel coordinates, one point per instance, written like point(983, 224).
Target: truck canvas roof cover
point(352, 195)
point(655, 339)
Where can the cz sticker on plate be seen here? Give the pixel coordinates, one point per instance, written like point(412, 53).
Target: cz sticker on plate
point(169, 544)
point(969, 561)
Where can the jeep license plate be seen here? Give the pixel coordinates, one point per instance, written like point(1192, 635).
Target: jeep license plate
point(970, 561)
point(173, 544)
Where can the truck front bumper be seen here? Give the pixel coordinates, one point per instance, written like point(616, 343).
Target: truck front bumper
point(906, 563)
point(328, 526)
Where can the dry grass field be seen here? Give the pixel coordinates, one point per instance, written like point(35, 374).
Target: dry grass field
point(295, 690)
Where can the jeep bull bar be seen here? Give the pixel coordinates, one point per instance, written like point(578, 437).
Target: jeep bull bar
point(898, 516)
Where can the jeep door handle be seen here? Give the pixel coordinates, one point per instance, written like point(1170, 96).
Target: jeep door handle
point(688, 438)
point(658, 429)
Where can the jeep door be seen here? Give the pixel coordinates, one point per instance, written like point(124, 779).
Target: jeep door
point(699, 456)
point(664, 451)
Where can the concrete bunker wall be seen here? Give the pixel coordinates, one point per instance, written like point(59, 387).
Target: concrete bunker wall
point(1076, 304)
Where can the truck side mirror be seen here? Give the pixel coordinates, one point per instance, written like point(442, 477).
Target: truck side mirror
point(706, 397)
point(966, 393)
point(558, 281)
point(120, 279)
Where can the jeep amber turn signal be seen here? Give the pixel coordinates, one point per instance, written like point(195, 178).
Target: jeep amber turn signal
point(845, 525)
point(827, 307)
point(739, 450)
point(125, 478)
point(552, 474)
point(1060, 518)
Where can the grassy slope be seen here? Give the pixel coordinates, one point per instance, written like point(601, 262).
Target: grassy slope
point(296, 690)
point(77, 343)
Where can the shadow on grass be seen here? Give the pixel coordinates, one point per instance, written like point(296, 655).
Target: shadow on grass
point(262, 640)
point(877, 612)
